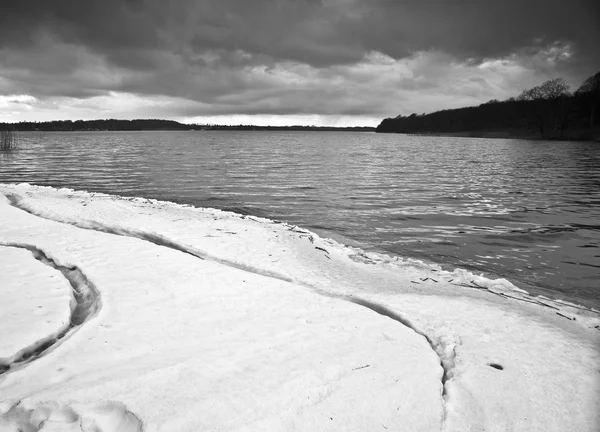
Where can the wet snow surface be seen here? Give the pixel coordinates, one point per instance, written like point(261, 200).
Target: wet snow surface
point(130, 315)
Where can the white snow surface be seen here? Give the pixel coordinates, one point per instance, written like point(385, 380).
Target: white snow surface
point(208, 320)
point(35, 301)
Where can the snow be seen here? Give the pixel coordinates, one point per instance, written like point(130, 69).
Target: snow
point(35, 301)
point(208, 320)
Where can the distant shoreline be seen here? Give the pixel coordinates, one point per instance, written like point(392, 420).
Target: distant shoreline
point(139, 125)
point(257, 129)
point(545, 112)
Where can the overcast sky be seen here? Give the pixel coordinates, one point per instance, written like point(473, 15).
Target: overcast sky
point(324, 62)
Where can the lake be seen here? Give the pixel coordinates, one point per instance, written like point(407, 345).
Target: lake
point(528, 211)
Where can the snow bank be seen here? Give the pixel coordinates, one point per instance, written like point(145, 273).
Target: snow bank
point(208, 320)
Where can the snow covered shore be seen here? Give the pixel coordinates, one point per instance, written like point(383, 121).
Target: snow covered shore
point(127, 314)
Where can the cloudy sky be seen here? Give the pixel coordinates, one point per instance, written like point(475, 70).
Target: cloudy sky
point(324, 62)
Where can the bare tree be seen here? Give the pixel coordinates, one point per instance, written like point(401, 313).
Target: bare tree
point(525, 95)
point(590, 85)
point(554, 89)
point(548, 107)
point(551, 89)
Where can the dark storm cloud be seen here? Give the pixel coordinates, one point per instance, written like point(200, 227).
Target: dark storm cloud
point(204, 50)
point(480, 28)
point(317, 32)
point(105, 23)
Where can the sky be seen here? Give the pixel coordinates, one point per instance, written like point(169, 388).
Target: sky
point(283, 62)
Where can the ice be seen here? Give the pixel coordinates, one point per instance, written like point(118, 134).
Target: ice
point(210, 320)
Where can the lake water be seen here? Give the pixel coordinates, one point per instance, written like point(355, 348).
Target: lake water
point(528, 211)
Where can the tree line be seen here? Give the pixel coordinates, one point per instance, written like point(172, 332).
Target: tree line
point(96, 125)
point(547, 111)
point(156, 125)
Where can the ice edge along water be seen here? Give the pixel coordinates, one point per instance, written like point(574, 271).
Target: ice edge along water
point(498, 287)
point(445, 354)
point(23, 414)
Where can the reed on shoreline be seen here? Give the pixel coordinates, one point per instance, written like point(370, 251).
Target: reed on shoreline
point(8, 140)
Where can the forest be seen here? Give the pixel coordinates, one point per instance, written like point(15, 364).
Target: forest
point(548, 111)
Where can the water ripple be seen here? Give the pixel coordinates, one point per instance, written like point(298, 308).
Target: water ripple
point(527, 211)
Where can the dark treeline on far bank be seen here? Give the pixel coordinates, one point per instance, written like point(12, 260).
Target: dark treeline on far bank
point(547, 111)
point(156, 125)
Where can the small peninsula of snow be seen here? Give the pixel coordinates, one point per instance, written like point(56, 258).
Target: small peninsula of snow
point(129, 315)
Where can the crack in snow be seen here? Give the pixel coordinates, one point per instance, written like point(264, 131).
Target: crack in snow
point(157, 239)
point(85, 304)
point(445, 352)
